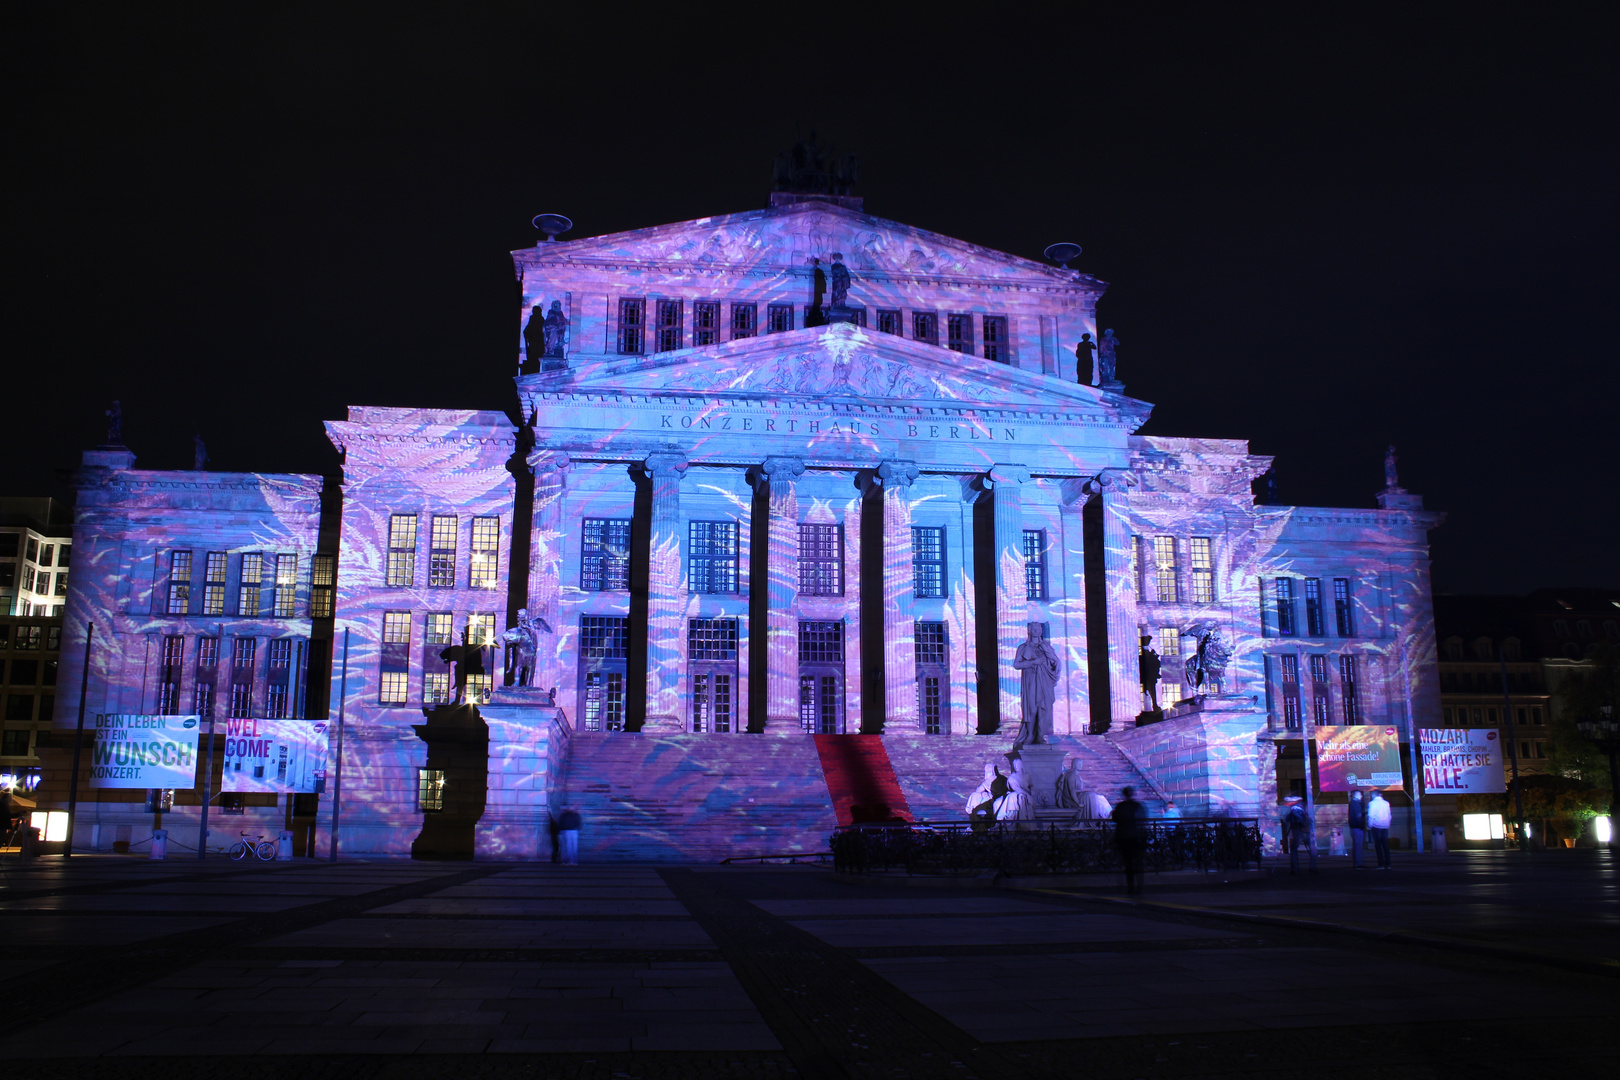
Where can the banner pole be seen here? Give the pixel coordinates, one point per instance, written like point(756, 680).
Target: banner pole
point(337, 772)
point(78, 742)
point(208, 770)
point(1513, 753)
point(1416, 749)
point(1308, 730)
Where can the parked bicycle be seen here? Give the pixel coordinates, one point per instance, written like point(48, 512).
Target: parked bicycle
point(258, 845)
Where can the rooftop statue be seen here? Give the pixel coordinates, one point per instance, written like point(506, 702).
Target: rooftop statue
point(1085, 361)
point(818, 292)
point(840, 281)
point(556, 333)
point(809, 168)
point(1039, 663)
point(1107, 360)
point(115, 424)
point(199, 453)
point(1392, 480)
point(534, 337)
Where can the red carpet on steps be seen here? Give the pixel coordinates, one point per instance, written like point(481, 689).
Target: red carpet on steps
point(860, 779)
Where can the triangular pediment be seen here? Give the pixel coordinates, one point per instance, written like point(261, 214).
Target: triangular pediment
point(788, 236)
point(842, 362)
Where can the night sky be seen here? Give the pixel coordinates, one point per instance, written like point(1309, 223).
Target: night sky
point(1322, 236)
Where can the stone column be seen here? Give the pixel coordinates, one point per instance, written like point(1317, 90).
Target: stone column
point(776, 477)
point(894, 479)
point(1124, 679)
point(666, 597)
point(1012, 597)
point(547, 531)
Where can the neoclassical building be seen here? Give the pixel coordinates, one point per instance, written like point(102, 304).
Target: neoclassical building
point(737, 517)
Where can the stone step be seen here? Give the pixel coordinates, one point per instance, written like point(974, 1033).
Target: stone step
point(860, 779)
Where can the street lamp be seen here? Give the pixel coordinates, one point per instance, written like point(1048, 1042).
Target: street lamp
point(1605, 735)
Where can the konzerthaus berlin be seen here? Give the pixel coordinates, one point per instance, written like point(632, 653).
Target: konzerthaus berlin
point(740, 514)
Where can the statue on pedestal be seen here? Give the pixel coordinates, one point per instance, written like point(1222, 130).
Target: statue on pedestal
point(1207, 666)
point(1068, 793)
point(534, 338)
point(1107, 359)
point(1085, 361)
point(1019, 802)
point(115, 425)
point(524, 640)
point(1039, 663)
point(1392, 480)
point(1148, 661)
point(840, 281)
point(986, 798)
point(556, 332)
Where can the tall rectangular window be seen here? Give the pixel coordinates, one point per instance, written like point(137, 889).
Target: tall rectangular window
point(1342, 612)
point(1170, 667)
point(927, 561)
point(1284, 600)
point(430, 790)
point(605, 555)
point(1203, 570)
point(778, 318)
point(244, 652)
point(442, 551)
point(604, 642)
point(1136, 567)
point(821, 560)
point(1315, 623)
point(214, 583)
point(207, 675)
point(712, 653)
point(933, 680)
point(632, 325)
point(888, 322)
point(481, 633)
point(1166, 588)
point(744, 320)
point(1347, 690)
point(322, 586)
point(1035, 564)
point(706, 322)
point(278, 678)
point(174, 657)
point(1290, 692)
point(438, 631)
point(179, 582)
point(670, 337)
point(930, 642)
point(402, 550)
point(393, 688)
point(996, 345)
point(247, 590)
point(394, 659)
point(1319, 690)
point(481, 629)
point(396, 628)
point(286, 586)
point(440, 628)
point(484, 567)
point(925, 327)
point(713, 556)
point(959, 333)
point(821, 661)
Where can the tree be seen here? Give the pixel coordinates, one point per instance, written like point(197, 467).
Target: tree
point(1579, 698)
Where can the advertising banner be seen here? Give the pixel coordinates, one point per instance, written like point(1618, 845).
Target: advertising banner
point(1364, 758)
point(282, 756)
point(135, 751)
point(1462, 761)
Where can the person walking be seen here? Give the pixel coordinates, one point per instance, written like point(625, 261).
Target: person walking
point(1378, 818)
point(1358, 828)
point(568, 829)
point(1300, 831)
point(1128, 838)
point(555, 828)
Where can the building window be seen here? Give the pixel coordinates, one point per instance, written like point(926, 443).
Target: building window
point(1203, 570)
point(711, 639)
point(927, 561)
point(1285, 607)
point(174, 655)
point(821, 659)
point(706, 322)
point(932, 677)
point(214, 583)
point(930, 642)
point(605, 555)
point(278, 680)
point(603, 650)
point(481, 629)
point(1319, 690)
point(28, 638)
point(1347, 690)
point(442, 551)
point(243, 654)
point(1165, 583)
point(713, 556)
point(959, 333)
point(744, 320)
point(604, 637)
point(247, 591)
point(402, 550)
point(821, 643)
point(61, 590)
point(322, 586)
point(1561, 628)
point(14, 744)
point(435, 687)
point(179, 582)
point(286, 594)
point(712, 653)
point(1170, 667)
point(486, 552)
point(925, 327)
point(1342, 611)
point(996, 345)
point(669, 326)
point(1315, 623)
point(394, 688)
point(632, 321)
point(888, 322)
point(438, 631)
point(712, 707)
point(440, 628)
point(430, 790)
point(1035, 564)
point(778, 318)
point(821, 560)
point(396, 628)
point(1290, 692)
point(207, 673)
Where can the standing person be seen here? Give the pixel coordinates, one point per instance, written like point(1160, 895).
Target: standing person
point(1299, 830)
point(1358, 828)
point(1378, 818)
point(568, 827)
point(1171, 811)
point(1128, 838)
point(555, 827)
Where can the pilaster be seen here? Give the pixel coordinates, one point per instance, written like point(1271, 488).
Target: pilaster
point(1124, 679)
point(666, 597)
point(1012, 596)
point(547, 533)
point(894, 480)
point(777, 477)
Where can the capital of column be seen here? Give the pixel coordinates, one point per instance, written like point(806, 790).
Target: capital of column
point(900, 474)
point(665, 464)
point(541, 460)
point(1006, 474)
point(1113, 481)
point(776, 470)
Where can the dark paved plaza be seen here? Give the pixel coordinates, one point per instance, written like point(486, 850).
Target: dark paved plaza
point(1485, 963)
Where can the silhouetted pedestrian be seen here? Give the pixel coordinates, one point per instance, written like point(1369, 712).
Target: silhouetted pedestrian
point(569, 829)
point(1299, 831)
point(1128, 838)
point(1358, 828)
point(1378, 819)
point(555, 828)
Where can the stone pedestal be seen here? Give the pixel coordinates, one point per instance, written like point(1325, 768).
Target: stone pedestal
point(1207, 758)
point(1043, 764)
point(527, 759)
point(458, 746)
